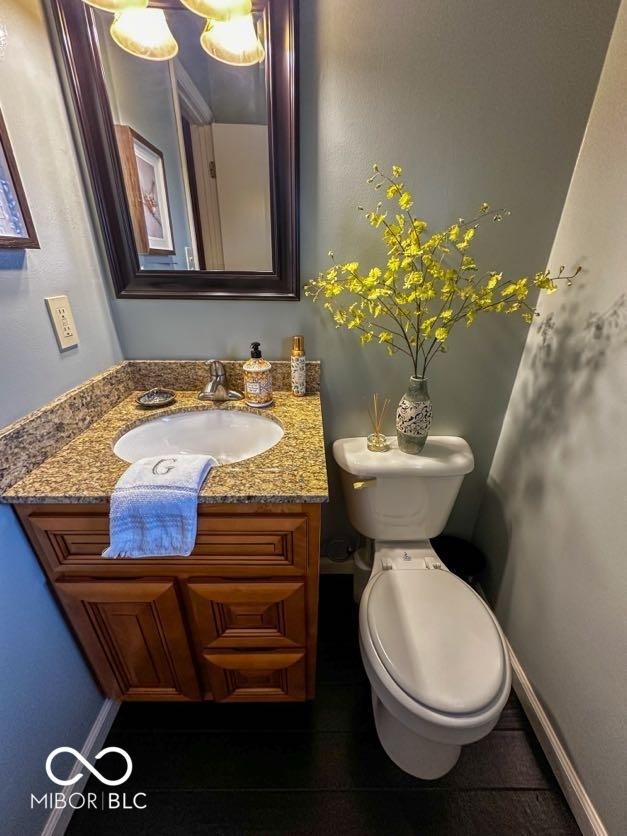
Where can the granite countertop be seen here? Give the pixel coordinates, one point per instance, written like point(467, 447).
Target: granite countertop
point(86, 469)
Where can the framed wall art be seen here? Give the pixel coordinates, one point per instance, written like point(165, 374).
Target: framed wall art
point(16, 224)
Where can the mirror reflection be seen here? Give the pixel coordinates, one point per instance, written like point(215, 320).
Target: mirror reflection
point(192, 135)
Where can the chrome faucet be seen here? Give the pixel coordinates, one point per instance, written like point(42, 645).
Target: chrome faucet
point(217, 386)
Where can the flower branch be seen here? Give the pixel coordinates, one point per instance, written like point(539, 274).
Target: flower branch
point(414, 301)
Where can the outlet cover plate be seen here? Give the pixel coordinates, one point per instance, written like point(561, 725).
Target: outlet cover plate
point(62, 321)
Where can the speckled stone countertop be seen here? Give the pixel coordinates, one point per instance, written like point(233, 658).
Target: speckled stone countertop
point(86, 469)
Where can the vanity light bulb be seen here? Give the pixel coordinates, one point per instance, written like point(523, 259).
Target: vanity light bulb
point(116, 5)
point(233, 41)
point(219, 9)
point(145, 33)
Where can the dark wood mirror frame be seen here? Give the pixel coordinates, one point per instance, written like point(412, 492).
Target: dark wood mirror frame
point(79, 50)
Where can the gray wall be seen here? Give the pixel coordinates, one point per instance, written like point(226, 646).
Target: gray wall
point(478, 101)
point(48, 695)
point(32, 371)
point(553, 523)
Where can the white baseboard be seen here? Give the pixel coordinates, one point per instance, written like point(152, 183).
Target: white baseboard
point(577, 798)
point(574, 791)
point(59, 819)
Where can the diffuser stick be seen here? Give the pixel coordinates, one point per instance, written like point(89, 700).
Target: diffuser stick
point(376, 441)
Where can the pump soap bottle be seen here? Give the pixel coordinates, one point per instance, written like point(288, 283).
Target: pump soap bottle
point(298, 365)
point(257, 379)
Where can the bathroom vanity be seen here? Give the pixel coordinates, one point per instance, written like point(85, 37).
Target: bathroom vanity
point(237, 620)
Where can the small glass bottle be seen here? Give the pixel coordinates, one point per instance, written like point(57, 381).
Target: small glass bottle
point(298, 363)
point(257, 379)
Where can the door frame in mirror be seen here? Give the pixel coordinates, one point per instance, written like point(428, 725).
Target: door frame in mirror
point(78, 42)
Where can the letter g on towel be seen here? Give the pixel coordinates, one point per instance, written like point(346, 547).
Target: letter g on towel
point(164, 466)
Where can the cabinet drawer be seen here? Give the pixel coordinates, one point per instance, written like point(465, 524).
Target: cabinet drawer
point(247, 614)
point(239, 545)
point(274, 676)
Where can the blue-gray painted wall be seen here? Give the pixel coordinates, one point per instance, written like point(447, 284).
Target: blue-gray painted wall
point(49, 698)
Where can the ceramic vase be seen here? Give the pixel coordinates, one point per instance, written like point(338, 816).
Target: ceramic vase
point(413, 416)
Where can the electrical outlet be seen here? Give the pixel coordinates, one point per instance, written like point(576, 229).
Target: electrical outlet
point(189, 258)
point(62, 321)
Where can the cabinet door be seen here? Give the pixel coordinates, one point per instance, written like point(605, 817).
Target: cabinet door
point(134, 637)
point(248, 614)
point(272, 676)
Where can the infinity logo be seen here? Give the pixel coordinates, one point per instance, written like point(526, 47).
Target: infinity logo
point(70, 781)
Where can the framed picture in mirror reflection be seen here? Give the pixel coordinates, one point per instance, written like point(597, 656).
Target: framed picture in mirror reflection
point(146, 187)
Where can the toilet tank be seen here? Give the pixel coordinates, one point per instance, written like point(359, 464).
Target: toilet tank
point(397, 496)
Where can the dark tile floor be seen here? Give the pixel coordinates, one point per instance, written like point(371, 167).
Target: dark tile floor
point(318, 768)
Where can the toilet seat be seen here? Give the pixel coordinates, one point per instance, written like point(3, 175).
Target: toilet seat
point(437, 640)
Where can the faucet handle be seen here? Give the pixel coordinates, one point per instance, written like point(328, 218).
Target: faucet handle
point(216, 368)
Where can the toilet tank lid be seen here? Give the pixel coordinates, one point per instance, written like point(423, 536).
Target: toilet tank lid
point(442, 455)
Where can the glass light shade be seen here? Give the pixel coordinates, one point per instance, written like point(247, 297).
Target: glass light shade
point(219, 9)
point(233, 41)
point(145, 33)
point(116, 5)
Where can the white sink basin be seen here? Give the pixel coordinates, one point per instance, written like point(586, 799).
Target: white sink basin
point(228, 435)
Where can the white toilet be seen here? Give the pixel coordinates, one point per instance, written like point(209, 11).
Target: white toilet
point(433, 651)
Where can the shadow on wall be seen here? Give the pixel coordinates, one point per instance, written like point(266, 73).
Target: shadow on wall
point(558, 383)
point(12, 259)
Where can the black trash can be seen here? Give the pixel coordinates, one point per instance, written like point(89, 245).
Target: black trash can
point(460, 557)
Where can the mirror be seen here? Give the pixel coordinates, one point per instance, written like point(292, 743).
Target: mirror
point(192, 135)
point(192, 159)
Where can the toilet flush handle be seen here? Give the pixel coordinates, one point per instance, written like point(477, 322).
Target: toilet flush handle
point(364, 483)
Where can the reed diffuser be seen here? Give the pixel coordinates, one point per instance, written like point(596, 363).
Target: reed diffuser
point(376, 441)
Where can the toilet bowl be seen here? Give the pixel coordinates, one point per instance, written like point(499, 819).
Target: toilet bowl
point(433, 651)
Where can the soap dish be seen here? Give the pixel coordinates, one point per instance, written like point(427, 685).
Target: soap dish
point(156, 397)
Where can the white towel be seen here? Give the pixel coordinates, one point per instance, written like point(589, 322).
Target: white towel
point(154, 506)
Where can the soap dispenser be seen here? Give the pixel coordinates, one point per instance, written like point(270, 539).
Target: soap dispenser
point(257, 379)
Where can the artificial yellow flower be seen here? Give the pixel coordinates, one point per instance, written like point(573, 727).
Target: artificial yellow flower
point(400, 295)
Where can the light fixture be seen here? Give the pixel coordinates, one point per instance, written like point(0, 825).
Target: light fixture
point(233, 41)
point(116, 5)
point(219, 9)
point(145, 33)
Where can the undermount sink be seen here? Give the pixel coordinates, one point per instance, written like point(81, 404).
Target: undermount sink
point(229, 435)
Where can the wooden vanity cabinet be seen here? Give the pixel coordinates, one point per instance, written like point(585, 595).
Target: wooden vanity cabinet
point(236, 621)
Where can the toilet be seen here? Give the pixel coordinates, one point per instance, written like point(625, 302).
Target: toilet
point(433, 651)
